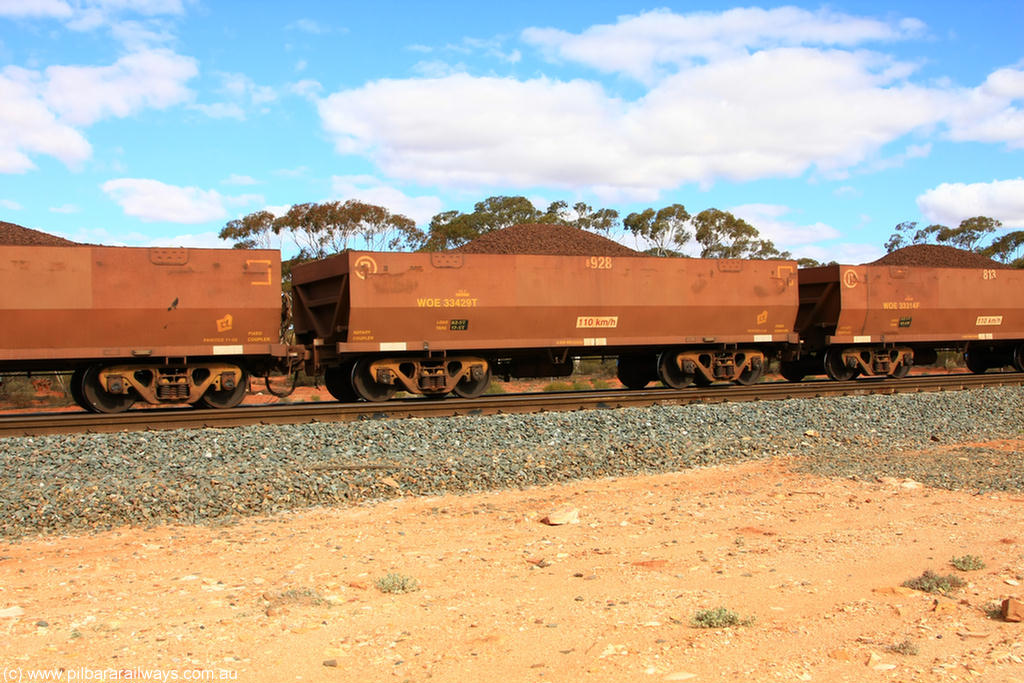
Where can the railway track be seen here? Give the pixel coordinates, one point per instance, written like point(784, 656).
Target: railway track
point(36, 424)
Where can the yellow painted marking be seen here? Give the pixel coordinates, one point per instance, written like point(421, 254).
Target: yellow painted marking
point(260, 262)
point(596, 321)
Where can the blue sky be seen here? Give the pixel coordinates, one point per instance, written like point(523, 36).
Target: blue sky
point(156, 121)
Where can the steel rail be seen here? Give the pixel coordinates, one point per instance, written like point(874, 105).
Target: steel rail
point(38, 424)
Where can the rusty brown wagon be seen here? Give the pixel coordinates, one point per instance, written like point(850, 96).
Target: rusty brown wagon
point(434, 323)
point(882, 320)
point(160, 325)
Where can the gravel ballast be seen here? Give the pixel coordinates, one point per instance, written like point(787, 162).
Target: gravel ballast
point(58, 484)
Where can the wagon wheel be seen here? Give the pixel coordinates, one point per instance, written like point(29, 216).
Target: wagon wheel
point(338, 382)
point(901, 371)
point(670, 373)
point(977, 361)
point(226, 398)
point(99, 400)
point(75, 386)
point(635, 372)
point(701, 380)
point(1018, 358)
point(473, 388)
point(836, 369)
point(366, 385)
point(750, 376)
point(792, 371)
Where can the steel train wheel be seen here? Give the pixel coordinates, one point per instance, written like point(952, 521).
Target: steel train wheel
point(750, 376)
point(75, 386)
point(473, 388)
point(338, 382)
point(976, 361)
point(635, 372)
point(901, 371)
point(836, 369)
point(792, 371)
point(228, 398)
point(98, 399)
point(1018, 358)
point(367, 386)
point(671, 374)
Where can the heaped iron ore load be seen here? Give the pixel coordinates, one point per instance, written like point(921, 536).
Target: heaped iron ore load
point(436, 323)
point(12, 234)
point(163, 325)
point(539, 238)
point(936, 256)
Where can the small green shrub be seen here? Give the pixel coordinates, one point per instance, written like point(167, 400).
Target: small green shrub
point(495, 388)
point(967, 563)
point(907, 647)
point(581, 385)
point(993, 610)
point(601, 384)
point(719, 617)
point(297, 596)
point(597, 367)
point(930, 582)
point(557, 386)
point(397, 583)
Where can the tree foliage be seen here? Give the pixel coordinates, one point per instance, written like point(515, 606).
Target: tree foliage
point(663, 229)
point(322, 229)
point(723, 235)
point(451, 229)
point(255, 231)
point(970, 235)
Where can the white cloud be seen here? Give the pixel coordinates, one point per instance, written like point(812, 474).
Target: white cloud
point(152, 200)
point(237, 179)
point(143, 239)
point(42, 112)
point(28, 126)
point(55, 9)
point(309, 26)
point(10, 205)
point(277, 209)
point(845, 252)
point(372, 191)
point(241, 93)
point(136, 36)
point(221, 110)
point(241, 87)
point(992, 112)
point(775, 113)
point(88, 15)
point(950, 203)
point(770, 221)
point(738, 95)
point(437, 68)
point(65, 208)
point(641, 45)
point(203, 240)
point(155, 79)
point(307, 88)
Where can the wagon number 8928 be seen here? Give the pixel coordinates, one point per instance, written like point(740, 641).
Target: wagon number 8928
point(599, 263)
